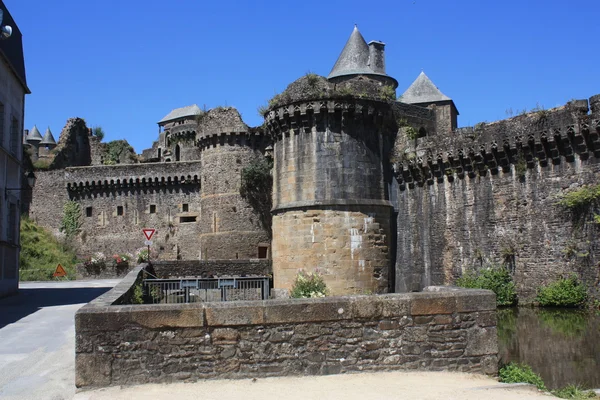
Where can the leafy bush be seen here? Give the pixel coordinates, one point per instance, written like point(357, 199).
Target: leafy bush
point(574, 392)
point(520, 373)
point(41, 252)
point(138, 294)
point(98, 132)
point(567, 292)
point(309, 285)
point(496, 279)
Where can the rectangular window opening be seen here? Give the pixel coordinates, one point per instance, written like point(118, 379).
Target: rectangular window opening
point(185, 207)
point(187, 219)
point(263, 251)
point(88, 212)
point(119, 210)
point(152, 208)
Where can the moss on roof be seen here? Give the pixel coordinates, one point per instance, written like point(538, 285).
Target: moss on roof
point(316, 87)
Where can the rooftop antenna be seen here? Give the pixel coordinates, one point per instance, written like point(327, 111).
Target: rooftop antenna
point(5, 30)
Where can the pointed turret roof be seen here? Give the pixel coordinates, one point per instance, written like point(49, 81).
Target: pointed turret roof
point(48, 138)
point(354, 58)
point(34, 135)
point(423, 90)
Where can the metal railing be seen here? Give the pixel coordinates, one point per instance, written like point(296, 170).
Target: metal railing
point(192, 290)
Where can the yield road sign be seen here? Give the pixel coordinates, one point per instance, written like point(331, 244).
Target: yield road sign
point(148, 232)
point(60, 271)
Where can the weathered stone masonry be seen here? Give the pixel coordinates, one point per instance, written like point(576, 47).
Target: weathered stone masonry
point(488, 195)
point(451, 330)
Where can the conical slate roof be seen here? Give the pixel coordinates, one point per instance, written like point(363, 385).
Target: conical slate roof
point(423, 90)
point(34, 135)
point(48, 138)
point(354, 58)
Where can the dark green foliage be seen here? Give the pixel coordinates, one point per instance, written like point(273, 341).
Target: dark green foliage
point(41, 252)
point(114, 149)
point(309, 285)
point(71, 220)
point(411, 133)
point(517, 373)
point(257, 186)
point(98, 132)
point(566, 292)
point(138, 294)
point(496, 279)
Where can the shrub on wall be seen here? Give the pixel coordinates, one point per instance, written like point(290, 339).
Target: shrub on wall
point(71, 220)
point(257, 186)
point(309, 285)
point(566, 292)
point(496, 279)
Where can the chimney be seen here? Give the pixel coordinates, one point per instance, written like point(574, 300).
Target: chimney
point(377, 57)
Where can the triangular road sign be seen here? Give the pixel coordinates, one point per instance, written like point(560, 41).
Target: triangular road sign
point(148, 232)
point(60, 271)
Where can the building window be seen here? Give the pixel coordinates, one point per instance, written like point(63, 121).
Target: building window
point(88, 212)
point(1, 124)
point(152, 208)
point(15, 138)
point(187, 219)
point(185, 207)
point(119, 210)
point(263, 251)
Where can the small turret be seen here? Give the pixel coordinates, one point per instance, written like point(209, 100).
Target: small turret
point(48, 140)
point(34, 137)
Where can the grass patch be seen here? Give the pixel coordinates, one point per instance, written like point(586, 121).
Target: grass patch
point(574, 392)
point(566, 292)
point(520, 373)
point(41, 252)
point(496, 279)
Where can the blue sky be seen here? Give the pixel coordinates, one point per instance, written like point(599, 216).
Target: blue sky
point(125, 64)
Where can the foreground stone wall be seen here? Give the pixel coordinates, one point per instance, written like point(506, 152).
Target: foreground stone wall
point(115, 345)
point(208, 268)
point(488, 196)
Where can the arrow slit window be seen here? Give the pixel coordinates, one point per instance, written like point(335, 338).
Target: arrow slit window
point(119, 210)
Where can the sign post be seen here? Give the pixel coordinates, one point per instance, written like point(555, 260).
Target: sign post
point(148, 233)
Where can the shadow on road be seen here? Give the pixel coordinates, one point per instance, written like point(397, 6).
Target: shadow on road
point(28, 301)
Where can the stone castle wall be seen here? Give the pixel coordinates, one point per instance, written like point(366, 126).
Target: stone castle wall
point(136, 188)
point(488, 196)
point(125, 344)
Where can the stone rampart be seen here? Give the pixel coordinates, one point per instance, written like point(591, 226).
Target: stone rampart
point(487, 196)
point(132, 344)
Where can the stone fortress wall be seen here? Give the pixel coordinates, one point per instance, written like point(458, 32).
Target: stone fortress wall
point(487, 195)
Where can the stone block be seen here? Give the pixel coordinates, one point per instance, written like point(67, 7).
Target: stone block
point(468, 300)
point(92, 370)
point(432, 304)
point(482, 342)
point(234, 313)
point(307, 310)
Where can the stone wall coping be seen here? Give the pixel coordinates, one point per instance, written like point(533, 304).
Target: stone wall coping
point(332, 202)
point(102, 314)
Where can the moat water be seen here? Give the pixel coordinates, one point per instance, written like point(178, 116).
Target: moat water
point(561, 345)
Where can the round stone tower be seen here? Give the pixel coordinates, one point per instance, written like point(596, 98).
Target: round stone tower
point(330, 202)
point(230, 227)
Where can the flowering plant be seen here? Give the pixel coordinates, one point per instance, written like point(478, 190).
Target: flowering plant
point(309, 284)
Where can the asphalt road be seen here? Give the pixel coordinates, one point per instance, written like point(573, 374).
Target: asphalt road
point(37, 338)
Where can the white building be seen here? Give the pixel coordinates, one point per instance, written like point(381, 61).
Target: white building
point(13, 87)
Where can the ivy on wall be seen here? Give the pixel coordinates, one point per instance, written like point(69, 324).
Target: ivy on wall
point(256, 188)
point(71, 220)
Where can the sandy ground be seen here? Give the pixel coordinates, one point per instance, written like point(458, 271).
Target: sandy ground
point(364, 386)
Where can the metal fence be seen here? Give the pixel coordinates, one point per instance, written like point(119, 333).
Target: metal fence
point(170, 291)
